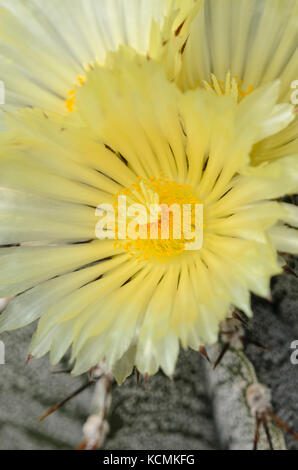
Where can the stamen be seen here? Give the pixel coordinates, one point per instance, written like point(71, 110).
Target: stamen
point(231, 87)
point(158, 192)
point(70, 102)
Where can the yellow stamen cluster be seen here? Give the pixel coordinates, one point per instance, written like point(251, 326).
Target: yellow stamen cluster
point(231, 86)
point(156, 191)
point(70, 102)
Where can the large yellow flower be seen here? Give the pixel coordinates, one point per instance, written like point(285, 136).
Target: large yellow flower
point(46, 47)
point(242, 45)
point(228, 46)
point(135, 133)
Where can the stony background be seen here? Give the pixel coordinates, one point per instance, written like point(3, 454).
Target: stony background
point(201, 409)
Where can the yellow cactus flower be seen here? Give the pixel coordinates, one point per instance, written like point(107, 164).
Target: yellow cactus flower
point(236, 46)
point(48, 46)
point(134, 302)
point(227, 46)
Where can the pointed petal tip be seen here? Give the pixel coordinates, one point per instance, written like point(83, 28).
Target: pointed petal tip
point(29, 359)
point(203, 352)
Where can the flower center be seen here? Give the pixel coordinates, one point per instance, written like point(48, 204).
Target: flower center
point(232, 86)
point(156, 218)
